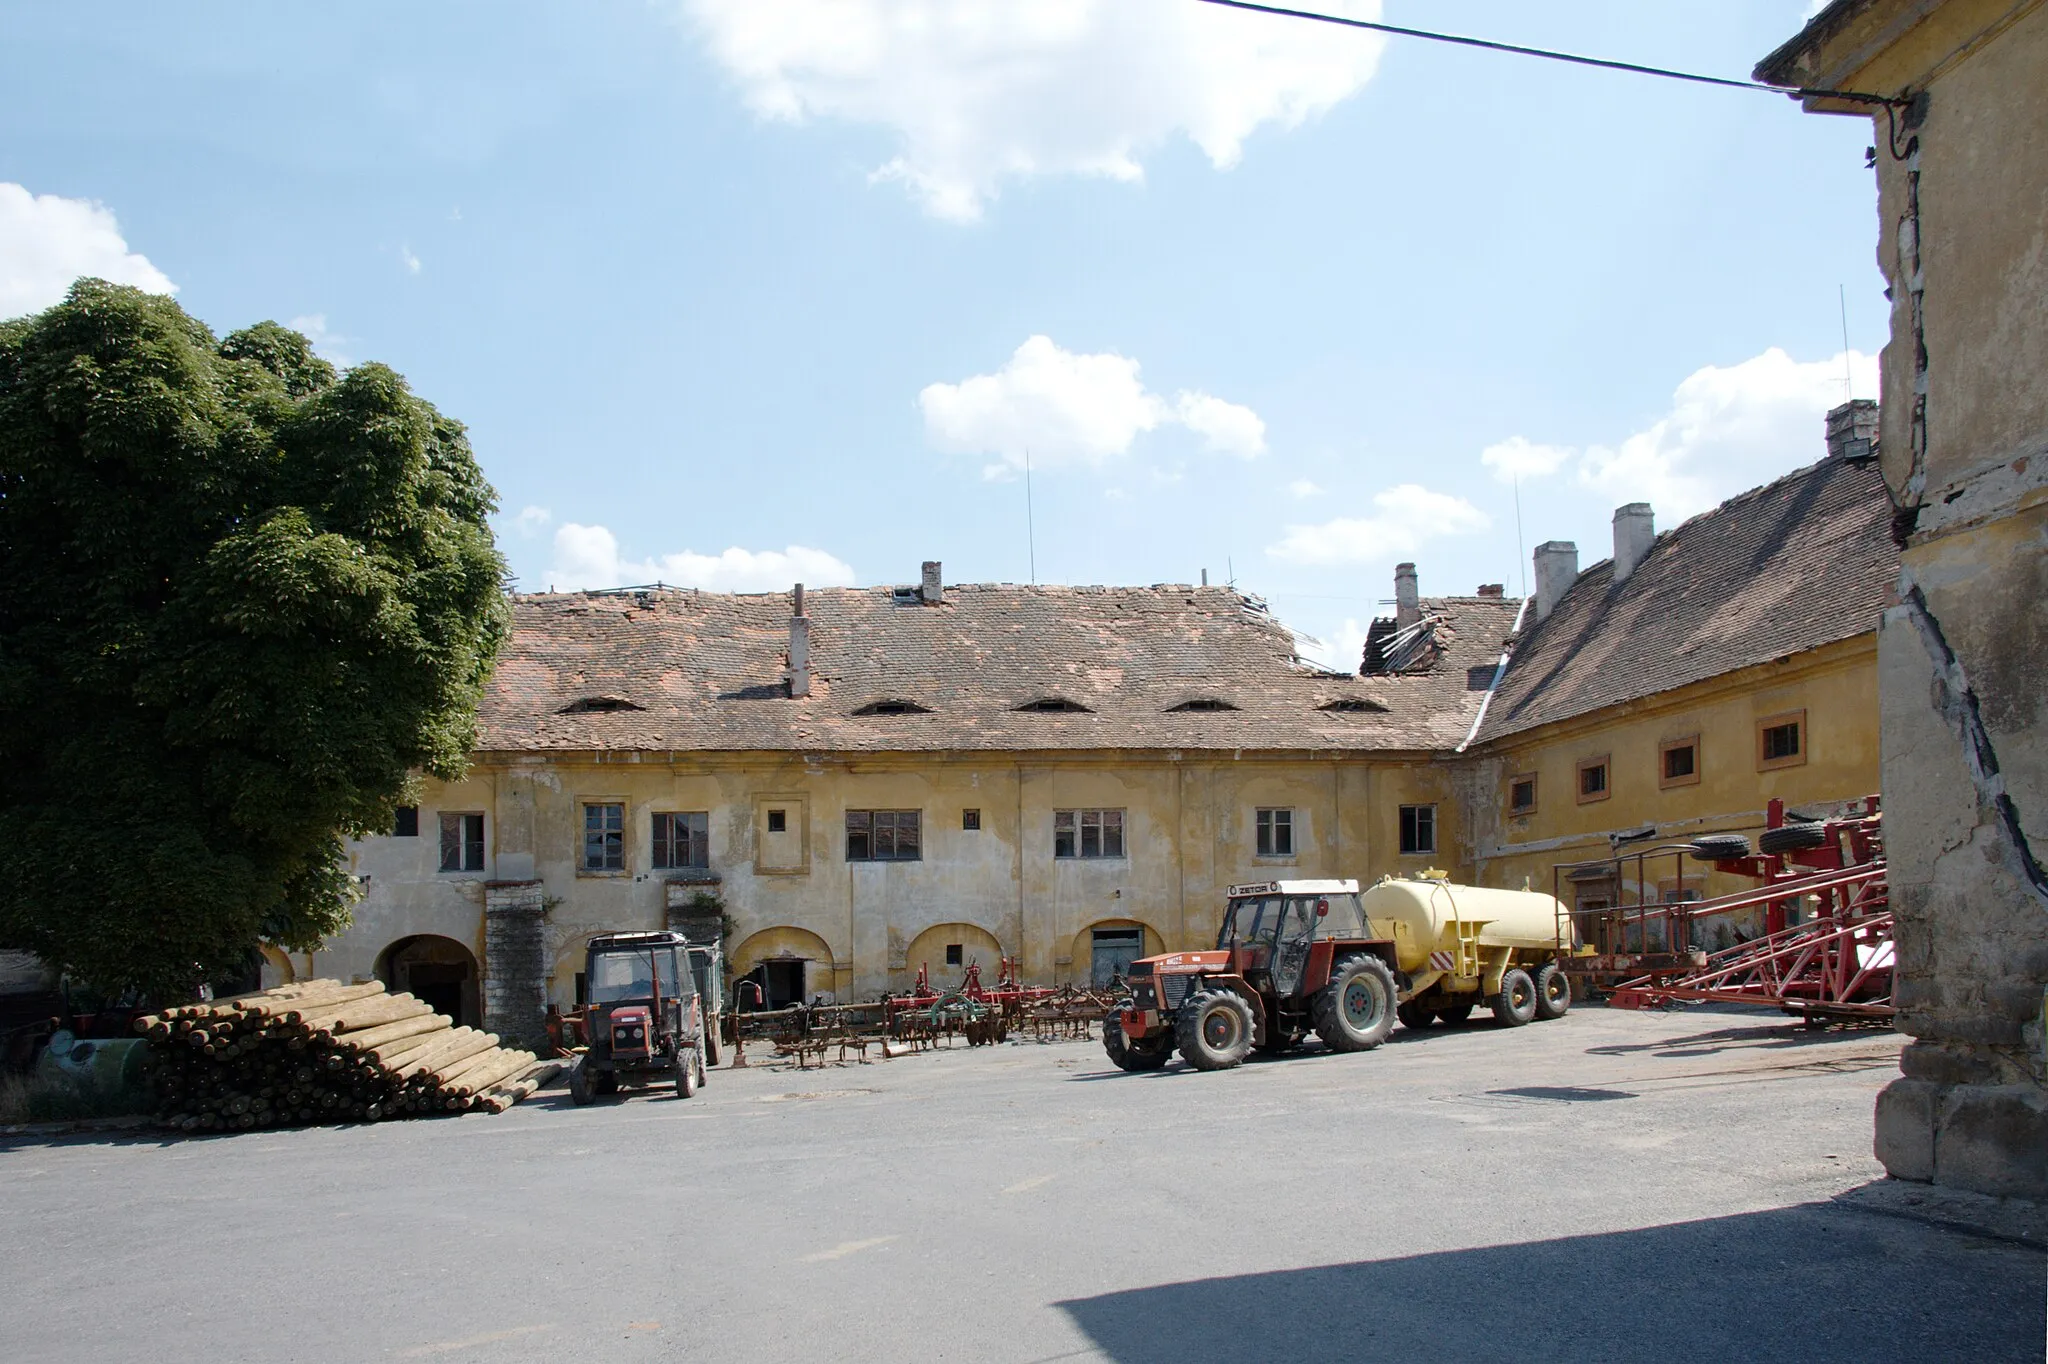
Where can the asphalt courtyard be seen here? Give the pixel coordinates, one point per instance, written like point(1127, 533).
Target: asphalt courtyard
point(1614, 1186)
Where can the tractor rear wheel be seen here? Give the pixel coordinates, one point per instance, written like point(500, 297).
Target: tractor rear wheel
point(1214, 1029)
point(1414, 1017)
point(579, 1085)
point(1553, 991)
point(1124, 1054)
point(1355, 1011)
point(1516, 1002)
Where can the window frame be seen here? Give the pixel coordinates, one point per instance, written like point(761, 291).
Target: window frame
point(1269, 822)
point(584, 866)
point(1665, 781)
point(970, 821)
point(696, 840)
point(1779, 721)
point(1077, 828)
point(464, 845)
point(1409, 821)
point(1516, 779)
point(868, 826)
point(1605, 764)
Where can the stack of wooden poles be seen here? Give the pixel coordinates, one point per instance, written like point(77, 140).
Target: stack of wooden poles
point(324, 1052)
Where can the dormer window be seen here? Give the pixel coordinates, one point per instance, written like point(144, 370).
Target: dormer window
point(1353, 705)
point(905, 596)
point(1202, 704)
point(893, 708)
point(598, 705)
point(1056, 705)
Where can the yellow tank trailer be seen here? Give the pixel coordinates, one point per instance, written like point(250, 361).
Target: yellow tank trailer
point(1459, 946)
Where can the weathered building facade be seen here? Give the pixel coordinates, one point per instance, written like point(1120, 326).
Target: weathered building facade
point(1961, 153)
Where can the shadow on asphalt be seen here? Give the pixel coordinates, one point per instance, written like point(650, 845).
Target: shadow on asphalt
point(1812, 1283)
point(1779, 1038)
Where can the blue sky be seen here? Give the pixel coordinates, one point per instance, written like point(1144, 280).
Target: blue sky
point(736, 292)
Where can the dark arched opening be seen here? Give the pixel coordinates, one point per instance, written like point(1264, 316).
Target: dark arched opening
point(438, 970)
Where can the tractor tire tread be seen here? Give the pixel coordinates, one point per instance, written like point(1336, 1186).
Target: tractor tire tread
point(1331, 1025)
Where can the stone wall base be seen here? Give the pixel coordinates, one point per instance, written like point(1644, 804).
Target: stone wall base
point(516, 964)
point(1989, 1139)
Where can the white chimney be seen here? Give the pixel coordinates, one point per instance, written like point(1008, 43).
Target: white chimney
point(1635, 531)
point(1852, 430)
point(799, 648)
point(1557, 566)
point(1407, 598)
point(934, 586)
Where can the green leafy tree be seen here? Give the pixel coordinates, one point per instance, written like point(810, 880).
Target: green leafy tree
point(242, 600)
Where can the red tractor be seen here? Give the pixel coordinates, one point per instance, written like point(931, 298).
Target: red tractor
point(1292, 957)
point(644, 1018)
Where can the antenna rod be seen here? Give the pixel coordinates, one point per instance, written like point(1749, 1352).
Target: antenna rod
point(1030, 523)
point(1848, 379)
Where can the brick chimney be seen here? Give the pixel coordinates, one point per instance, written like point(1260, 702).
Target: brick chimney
point(1852, 431)
point(933, 587)
point(1498, 591)
point(799, 648)
point(1407, 597)
point(1557, 566)
point(1635, 532)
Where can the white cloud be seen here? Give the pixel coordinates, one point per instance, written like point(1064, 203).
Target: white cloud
point(1517, 457)
point(588, 557)
point(532, 520)
point(329, 345)
point(1224, 427)
point(1066, 408)
point(46, 242)
point(980, 92)
point(409, 260)
point(1302, 487)
point(1343, 653)
point(1729, 428)
point(1403, 518)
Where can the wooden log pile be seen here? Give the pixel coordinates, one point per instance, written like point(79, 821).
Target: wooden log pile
point(324, 1052)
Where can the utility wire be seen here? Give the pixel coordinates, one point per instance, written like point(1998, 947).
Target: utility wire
point(1515, 49)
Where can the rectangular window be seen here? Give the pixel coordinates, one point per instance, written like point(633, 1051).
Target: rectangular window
point(1593, 780)
point(462, 842)
point(1276, 833)
point(1418, 828)
point(604, 838)
point(954, 954)
point(1088, 833)
point(883, 835)
point(1781, 741)
point(778, 821)
point(682, 840)
point(407, 823)
point(1678, 762)
point(970, 819)
point(1522, 793)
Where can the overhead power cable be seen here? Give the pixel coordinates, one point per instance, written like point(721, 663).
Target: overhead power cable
point(1545, 54)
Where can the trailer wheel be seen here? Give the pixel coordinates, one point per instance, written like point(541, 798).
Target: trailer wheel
point(1791, 838)
point(1553, 991)
point(1454, 1015)
point(1214, 1029)
point(1516, 1002)
point(579, 1085)
point(1414, 1017)
point(1355, 1011)
point(1125, 1054)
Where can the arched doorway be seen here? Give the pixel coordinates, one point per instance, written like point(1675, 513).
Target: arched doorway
point(438, 970)
point(1103, 951)
point(788, 964)
point(947, 949)
point(274, 969)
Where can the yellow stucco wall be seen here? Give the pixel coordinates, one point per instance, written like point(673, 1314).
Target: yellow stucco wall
point(1189, 829)
point(1835, 686)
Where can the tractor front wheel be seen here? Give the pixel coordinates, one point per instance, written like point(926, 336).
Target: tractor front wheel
point(1355, 1011)
point(1215, 1030)
point(686, 1074)
point(579, 1085)
point(1516, 1002)
point(1145, 1054)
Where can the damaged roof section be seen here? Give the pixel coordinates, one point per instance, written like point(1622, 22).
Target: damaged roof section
point(1166, 667)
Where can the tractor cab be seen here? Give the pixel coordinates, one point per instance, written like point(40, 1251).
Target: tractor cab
point(643, 1015)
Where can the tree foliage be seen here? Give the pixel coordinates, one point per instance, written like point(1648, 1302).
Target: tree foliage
point(242, 599)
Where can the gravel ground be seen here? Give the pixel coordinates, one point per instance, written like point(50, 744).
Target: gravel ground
point(1613, 1186)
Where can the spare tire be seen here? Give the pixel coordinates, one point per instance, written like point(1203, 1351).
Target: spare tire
point(1791, 838)
point(1720, 847)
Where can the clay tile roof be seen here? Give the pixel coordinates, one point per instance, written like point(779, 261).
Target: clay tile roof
point(703, 671)
point(1778, 570)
